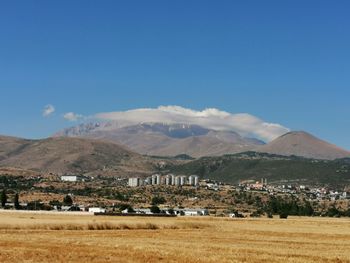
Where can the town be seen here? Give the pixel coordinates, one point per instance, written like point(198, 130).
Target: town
point(169, 194)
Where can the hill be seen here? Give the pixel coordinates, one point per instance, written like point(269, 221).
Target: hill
point(72, 155)
point(303, 144)
point(9, 146)
point(254, 166)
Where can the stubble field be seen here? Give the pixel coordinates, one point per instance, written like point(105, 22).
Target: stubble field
point(31, 237)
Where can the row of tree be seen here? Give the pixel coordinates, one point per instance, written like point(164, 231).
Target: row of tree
point(4, 199)
point(285, 207)
point(67, 200)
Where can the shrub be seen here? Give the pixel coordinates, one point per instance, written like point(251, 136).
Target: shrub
point(16, 201)
point(3, 198)
point(157, 200)
point(171, 211)
point(155, 209)
point(67, 200)
point(283, 215)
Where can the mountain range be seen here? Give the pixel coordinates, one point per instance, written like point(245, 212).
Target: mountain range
point(161, 139)
point(110, 149)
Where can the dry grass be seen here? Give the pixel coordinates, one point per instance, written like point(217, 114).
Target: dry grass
point(59, 238)
point(103, 226)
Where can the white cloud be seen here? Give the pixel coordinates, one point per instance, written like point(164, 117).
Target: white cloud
point(71, 116)
point(211, 118)
point(48, 110)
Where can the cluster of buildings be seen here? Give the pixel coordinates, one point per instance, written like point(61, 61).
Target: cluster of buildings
point(175, 211)
point(258, 185)
point(169, 179)
point(313, 193)
point(74, 178)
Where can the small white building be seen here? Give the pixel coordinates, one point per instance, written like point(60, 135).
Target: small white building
point(146, 211)
point(69, 178)
point(192, 212)
point(97, 210)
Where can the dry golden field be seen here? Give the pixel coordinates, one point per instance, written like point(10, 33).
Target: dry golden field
point(26, 237)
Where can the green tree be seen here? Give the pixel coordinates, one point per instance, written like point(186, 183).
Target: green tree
point(67, 200)
point(3, 198)
point(16, 201)
point(157, 200)
point(155, 209)
point(171, 211)
point(284, 215)
point(124, 206)
point(55, 203)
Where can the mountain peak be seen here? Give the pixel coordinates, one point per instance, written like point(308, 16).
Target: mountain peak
point(304, 144)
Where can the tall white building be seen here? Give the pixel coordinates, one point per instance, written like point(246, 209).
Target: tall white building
point(158, 179)
point(183, 180)
point(173, 179)
point(177, 181)
point(134, 181)
point(168, 179)
point(193, 180)
point(154, 179)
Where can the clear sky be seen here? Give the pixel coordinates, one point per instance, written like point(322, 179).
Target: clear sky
point(287, 62)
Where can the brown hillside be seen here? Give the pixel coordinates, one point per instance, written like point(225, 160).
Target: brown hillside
point(71, 155)
point(304, 144)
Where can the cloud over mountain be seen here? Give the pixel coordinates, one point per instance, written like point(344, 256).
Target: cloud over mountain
point(211, 118)
point(71, 116)
point(48, 110)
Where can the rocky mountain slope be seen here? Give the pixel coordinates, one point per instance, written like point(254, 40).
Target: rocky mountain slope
point(166, 139)
point(159, 139)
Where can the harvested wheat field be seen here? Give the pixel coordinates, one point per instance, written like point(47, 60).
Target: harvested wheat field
point(29, 237)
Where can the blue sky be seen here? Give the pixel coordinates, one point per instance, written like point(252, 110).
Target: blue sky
point(287, 62)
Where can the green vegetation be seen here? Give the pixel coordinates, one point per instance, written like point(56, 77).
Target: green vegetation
point(288, 206)
point(177, 157)
point(333, 211)
point(155, 209)
point(254, 166)
point(158, 200)
point(3, 198)
point(67, 200)
point(121, 207)
point(16, 202)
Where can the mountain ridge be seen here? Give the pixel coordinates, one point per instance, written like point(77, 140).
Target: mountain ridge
point(161, 139)
point(166, 139)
